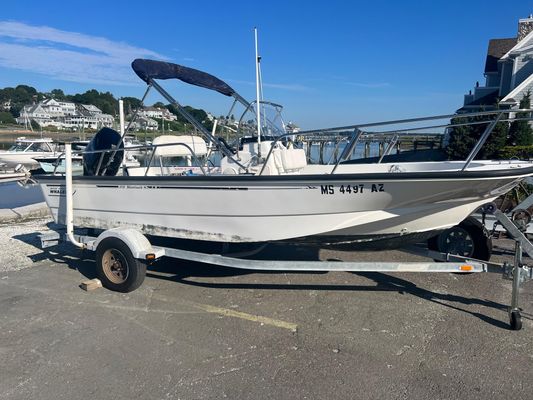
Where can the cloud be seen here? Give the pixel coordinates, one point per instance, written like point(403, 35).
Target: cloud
point(68, 56)
point(282, 86)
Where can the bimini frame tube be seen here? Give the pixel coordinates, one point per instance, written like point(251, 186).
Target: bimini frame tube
point(195, 123)
point(482, 140)
point(68, 197)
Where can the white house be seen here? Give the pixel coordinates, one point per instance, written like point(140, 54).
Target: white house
point(35, 112)
point(65, 115)
point(508, 71)
point(5, 105)
point(156, 112)
point(143, 123)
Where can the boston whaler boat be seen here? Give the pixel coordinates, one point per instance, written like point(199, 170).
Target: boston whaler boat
point(268, 192)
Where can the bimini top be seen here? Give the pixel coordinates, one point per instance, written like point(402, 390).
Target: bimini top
point(150, 69)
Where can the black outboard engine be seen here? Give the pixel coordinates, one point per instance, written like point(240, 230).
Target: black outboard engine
point(105, 139)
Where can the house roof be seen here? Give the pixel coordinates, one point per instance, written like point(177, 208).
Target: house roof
point(50, 101)
point(518, 92)
point(91, 107)
point(521, 46)
point(497, 49)
point(151, 108)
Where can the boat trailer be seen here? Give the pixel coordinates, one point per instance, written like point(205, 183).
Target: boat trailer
point(123, 254)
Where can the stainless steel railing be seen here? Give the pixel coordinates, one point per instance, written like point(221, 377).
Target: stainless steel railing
point(358, 131)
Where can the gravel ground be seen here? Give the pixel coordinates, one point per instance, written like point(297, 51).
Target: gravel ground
point(19, 242)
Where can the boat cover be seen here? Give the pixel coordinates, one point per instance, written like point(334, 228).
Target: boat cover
point(150, 69)
point(105, 139)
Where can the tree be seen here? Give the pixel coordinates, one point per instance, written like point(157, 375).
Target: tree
point(159, 105)
point(131, 103)
point(6, 118)
point(463, 138)
point(520, 132)
point(104, 101)
point(58, 94)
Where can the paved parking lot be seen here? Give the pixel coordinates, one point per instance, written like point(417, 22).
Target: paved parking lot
point(194, 331)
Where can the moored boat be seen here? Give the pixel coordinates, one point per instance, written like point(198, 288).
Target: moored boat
point(25, 150)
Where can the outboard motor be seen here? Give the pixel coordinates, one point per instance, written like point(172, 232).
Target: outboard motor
point(105, 139)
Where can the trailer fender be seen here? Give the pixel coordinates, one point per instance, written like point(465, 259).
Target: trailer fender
point(138, 244)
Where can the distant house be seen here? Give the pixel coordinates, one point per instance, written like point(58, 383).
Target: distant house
point(292, 128)
point(157, 112)
point(143, 123)
point(91, 109)
point(35, 112)
point(5, 105)
point(508, 71)
point(65, 115)
point(96, 115)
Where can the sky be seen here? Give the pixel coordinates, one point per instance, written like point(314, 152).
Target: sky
point(329, 63)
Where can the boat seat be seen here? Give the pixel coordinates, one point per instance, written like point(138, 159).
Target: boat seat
point(274, 165)
point(230, 171)
point(293, 159)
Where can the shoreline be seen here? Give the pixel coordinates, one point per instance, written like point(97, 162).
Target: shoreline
point(24, 213)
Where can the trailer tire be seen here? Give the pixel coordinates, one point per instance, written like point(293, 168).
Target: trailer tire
point(116, 267)
point(476, 241)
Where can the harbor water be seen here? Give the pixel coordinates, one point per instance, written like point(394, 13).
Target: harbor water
point(14, 194)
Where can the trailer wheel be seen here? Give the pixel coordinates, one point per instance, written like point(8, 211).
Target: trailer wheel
point(468, 239)
point(117, 268)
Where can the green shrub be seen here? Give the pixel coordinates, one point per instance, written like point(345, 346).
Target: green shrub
point(520, 152)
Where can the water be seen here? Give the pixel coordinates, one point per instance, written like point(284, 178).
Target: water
point(13, 195)
point(329, 151)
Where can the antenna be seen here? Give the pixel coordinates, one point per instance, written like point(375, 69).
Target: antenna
point(258, 94)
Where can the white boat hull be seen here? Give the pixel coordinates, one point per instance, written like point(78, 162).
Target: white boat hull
point(258, 209)
point(12, 159)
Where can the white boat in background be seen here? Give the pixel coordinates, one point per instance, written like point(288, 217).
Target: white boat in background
point(11, 175)
point(25, 150)
point(267, 191)
point(133, 147)
point(56, 165)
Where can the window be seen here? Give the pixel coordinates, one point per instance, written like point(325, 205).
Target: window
point(18, 147)
point(37, 147)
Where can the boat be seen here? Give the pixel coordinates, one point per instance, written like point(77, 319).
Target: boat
point(25, 150)
point(11, 175)
point(56, 164)
point(266, 191)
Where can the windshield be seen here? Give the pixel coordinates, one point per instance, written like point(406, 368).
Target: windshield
point(184, 161)
point(272, 123)
point(39, 147)
point(18, 147)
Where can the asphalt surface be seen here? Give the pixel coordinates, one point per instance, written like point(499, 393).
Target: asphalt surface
point(202, 332)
